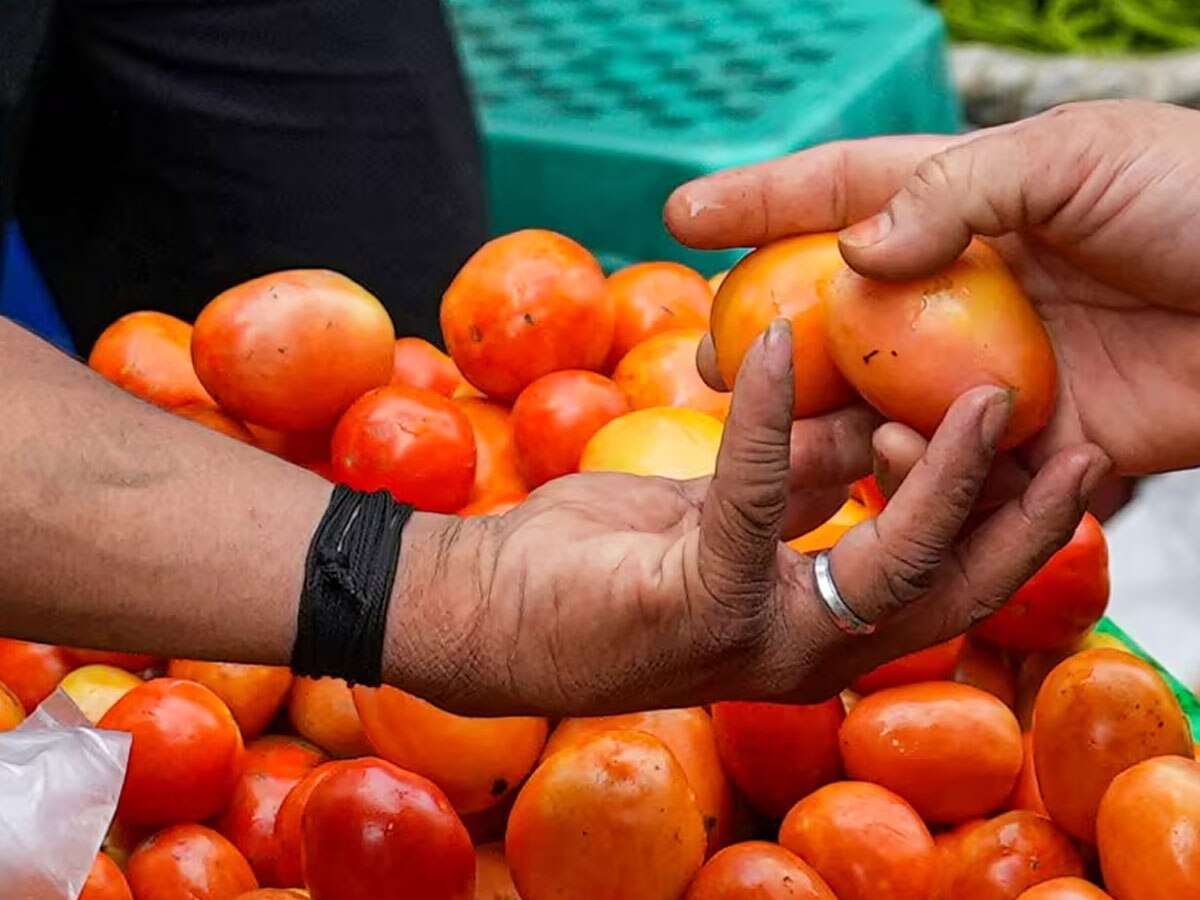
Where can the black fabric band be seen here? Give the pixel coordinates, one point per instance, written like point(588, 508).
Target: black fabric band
point(348, 582)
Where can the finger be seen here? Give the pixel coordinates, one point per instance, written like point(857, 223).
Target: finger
point(706, 362)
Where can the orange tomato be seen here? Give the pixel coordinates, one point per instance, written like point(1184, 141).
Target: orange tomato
point(759, 870)
point(12, 713)
point(476, 762)
point(655, 297)
point(414, 443)
point(780, 280)
point(94, 689)
point(715, 282)
point(289, 822)
point(149, 355)
point(32, 671)
point(186, 755)
point(254, 694)
point(662, 372)
point(1026, 795)
point(1065, 889)
point(668, 442)
point(493, 880)
point(497, 473)
point(1098, 713)
point(574, 821)
point(131, 662)
point(525, 305)
point(121, 840)
point(216, 420)
point(417, 363)
point(777, 753)
point(1000, 859)
point(866, 842)
point(937, 663)
point(292, 350)
point(988, 668)
point(950, 750)
point(105, 882)
point(947, 843)
point(304, 448)
point(689, 735)
point(492, 506)
point(189, 861)
point(555, 417)
point(322, 710)
point(912, 348)
point(866, 491)
point(830, 532)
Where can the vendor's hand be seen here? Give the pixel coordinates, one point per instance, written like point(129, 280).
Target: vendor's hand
point(1095, 206)
point(606, 592)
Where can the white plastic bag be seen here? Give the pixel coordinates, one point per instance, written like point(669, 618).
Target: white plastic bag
point(60, 779)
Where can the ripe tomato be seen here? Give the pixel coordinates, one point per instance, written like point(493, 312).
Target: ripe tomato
point(32, 671)
point(304, 448)
point(216, 420)
point(759, 870)
point(936, 663)
point(417, 363)
point(715, 282)
point(866, 491)
point(322, 710)
point(186, 755)
point(492, 506)
point(912, 348)
point(254, 694)
point(669, 442)
point(867, 843)
point(780, 280)
point(371, 824)
point(1001, 858)
point(292, 350)
point(149, 354)
point(94, 689)
point(947, 843)
point(1098, 713)
point(778, 753)
point(131, 662)
point(556, 416)
point(689, 735)
point(988, 668)
point(121, 840)
point(12, 713)
point(525, 305)
point(289, 830)
point(1062, 602)
point(414, 443)
point(474, 761)
point(275, 894)
point(1027, 795)
point(189, 861)
point(830, 532)
point(105, 882)
point(496, 470)
point(1065, 889)
point(662, 372)
point(574, 819)
point(493, 880)
point(653, 298)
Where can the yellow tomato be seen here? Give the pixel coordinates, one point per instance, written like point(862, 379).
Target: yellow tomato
point(96, 688)
point(668, 442)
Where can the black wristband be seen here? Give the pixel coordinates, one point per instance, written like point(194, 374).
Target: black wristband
point(348, 580)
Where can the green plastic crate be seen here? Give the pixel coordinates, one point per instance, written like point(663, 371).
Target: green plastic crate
point(1191, 706)
point(594, 110)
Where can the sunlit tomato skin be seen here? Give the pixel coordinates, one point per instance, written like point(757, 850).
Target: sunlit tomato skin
point(493, 880)
point(950, 750)
point(12, 713)
point(497, 472)
point(254, 694)
point(1027, 795)
point(1065, 889)
point(668, 442)
point(371, 824)
point(1149, 831)
point(186, 755)
point(32, 671)
point(492, 506)
point(1062, 602)
point(912, 348)
point(1098, 713)
point(289, 825)
point(653, 298)
point(416, 444)
point(759, 870)
point(828, 533)
point(130, 662)
point(94, 689)
point(322, 710)
point(189, 861)
point(105, 882)
point(937, 663)
point(149, 355)
point(866, 842)
point(417, 363)
point(778, 753)
point(1001, 858)
point(555, 417)
point(525, 305)
point(662, 372)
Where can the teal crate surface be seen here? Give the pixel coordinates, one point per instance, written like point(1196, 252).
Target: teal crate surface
point(593, 110)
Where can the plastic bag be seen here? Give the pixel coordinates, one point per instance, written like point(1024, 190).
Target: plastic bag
point(60, 779)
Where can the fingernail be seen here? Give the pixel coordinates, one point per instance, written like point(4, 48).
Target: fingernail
point(996, 416)
point(778, 346)
point(1092, 475)
point(868, 232)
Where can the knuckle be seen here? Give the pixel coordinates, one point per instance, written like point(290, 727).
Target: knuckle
point(908, 565)
point(934, 175)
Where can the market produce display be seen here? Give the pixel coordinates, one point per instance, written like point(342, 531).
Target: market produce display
point(1033, 758)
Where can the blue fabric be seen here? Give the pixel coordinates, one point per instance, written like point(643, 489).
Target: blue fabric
point(24, 297)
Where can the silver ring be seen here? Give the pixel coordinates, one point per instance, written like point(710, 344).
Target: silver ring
point(845, 618)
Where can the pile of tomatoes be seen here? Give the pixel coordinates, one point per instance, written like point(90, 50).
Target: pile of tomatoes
point(1033, 758)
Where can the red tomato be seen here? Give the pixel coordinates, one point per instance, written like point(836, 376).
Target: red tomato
point(216, 420)
point(130, 662)
point(653, 298)
point(1065, 889)
point(988, 668)
point(105, 882)
point(778, 753)
point(497, 472)
point(525, 305)
point(831, 530)
point(289, 832)
point(149, 355)
point(492, 506)
point(414, 443)
point(933, 664)
point(662, 372)
point(186, 755)
point(866, 491)
point(32, 671)
point(323, 711)
point(759, 870)
point(274, 894)
point(1026, 795)
point(292, 350)
point(556, 416)
point(254, 694)
point(493, 880)
point(419, 364)
point(1000, 859)
point(304, 448)
point(371, 824)
point(189, 861)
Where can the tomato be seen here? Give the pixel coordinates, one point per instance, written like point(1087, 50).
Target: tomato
point(12, 713)
point(662, 372)
point(417, 363)
point(759, 870)
point(988, 668)
point(951, 750)
point(947, 843)
point(289, 820)
point(830, 532)
point(653, 298)
point(492, 506)
point(121, 840)
point(912, 348)
point(493, 880)
point(254, 694)
point(32, 671)
point(937, 663)
point(323, 711)
point(94, 689)
point(414, 443)
point(689, 735)
point(574, 821)
point(866, 491)
point(474, 761)
point(105, 882)
point(778, 753)
point(216, 420)
point(149, 355)
point(867, 843)
point(497, 472)
point(371, 824)
point(1026, 795)
point(780, 280)
point(1098, 713)
point(303, 448)
point(715, 282)
point(275, 894)
point(292, 350)
point(1065, 889)
point(669, 442)
point(1000, 859)
point(189, 861)
point(186, 755)
point(1062, 602)
point(556, 416)
point(1148, 830)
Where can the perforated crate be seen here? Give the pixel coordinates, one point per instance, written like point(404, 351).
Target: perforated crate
point(593, 110)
